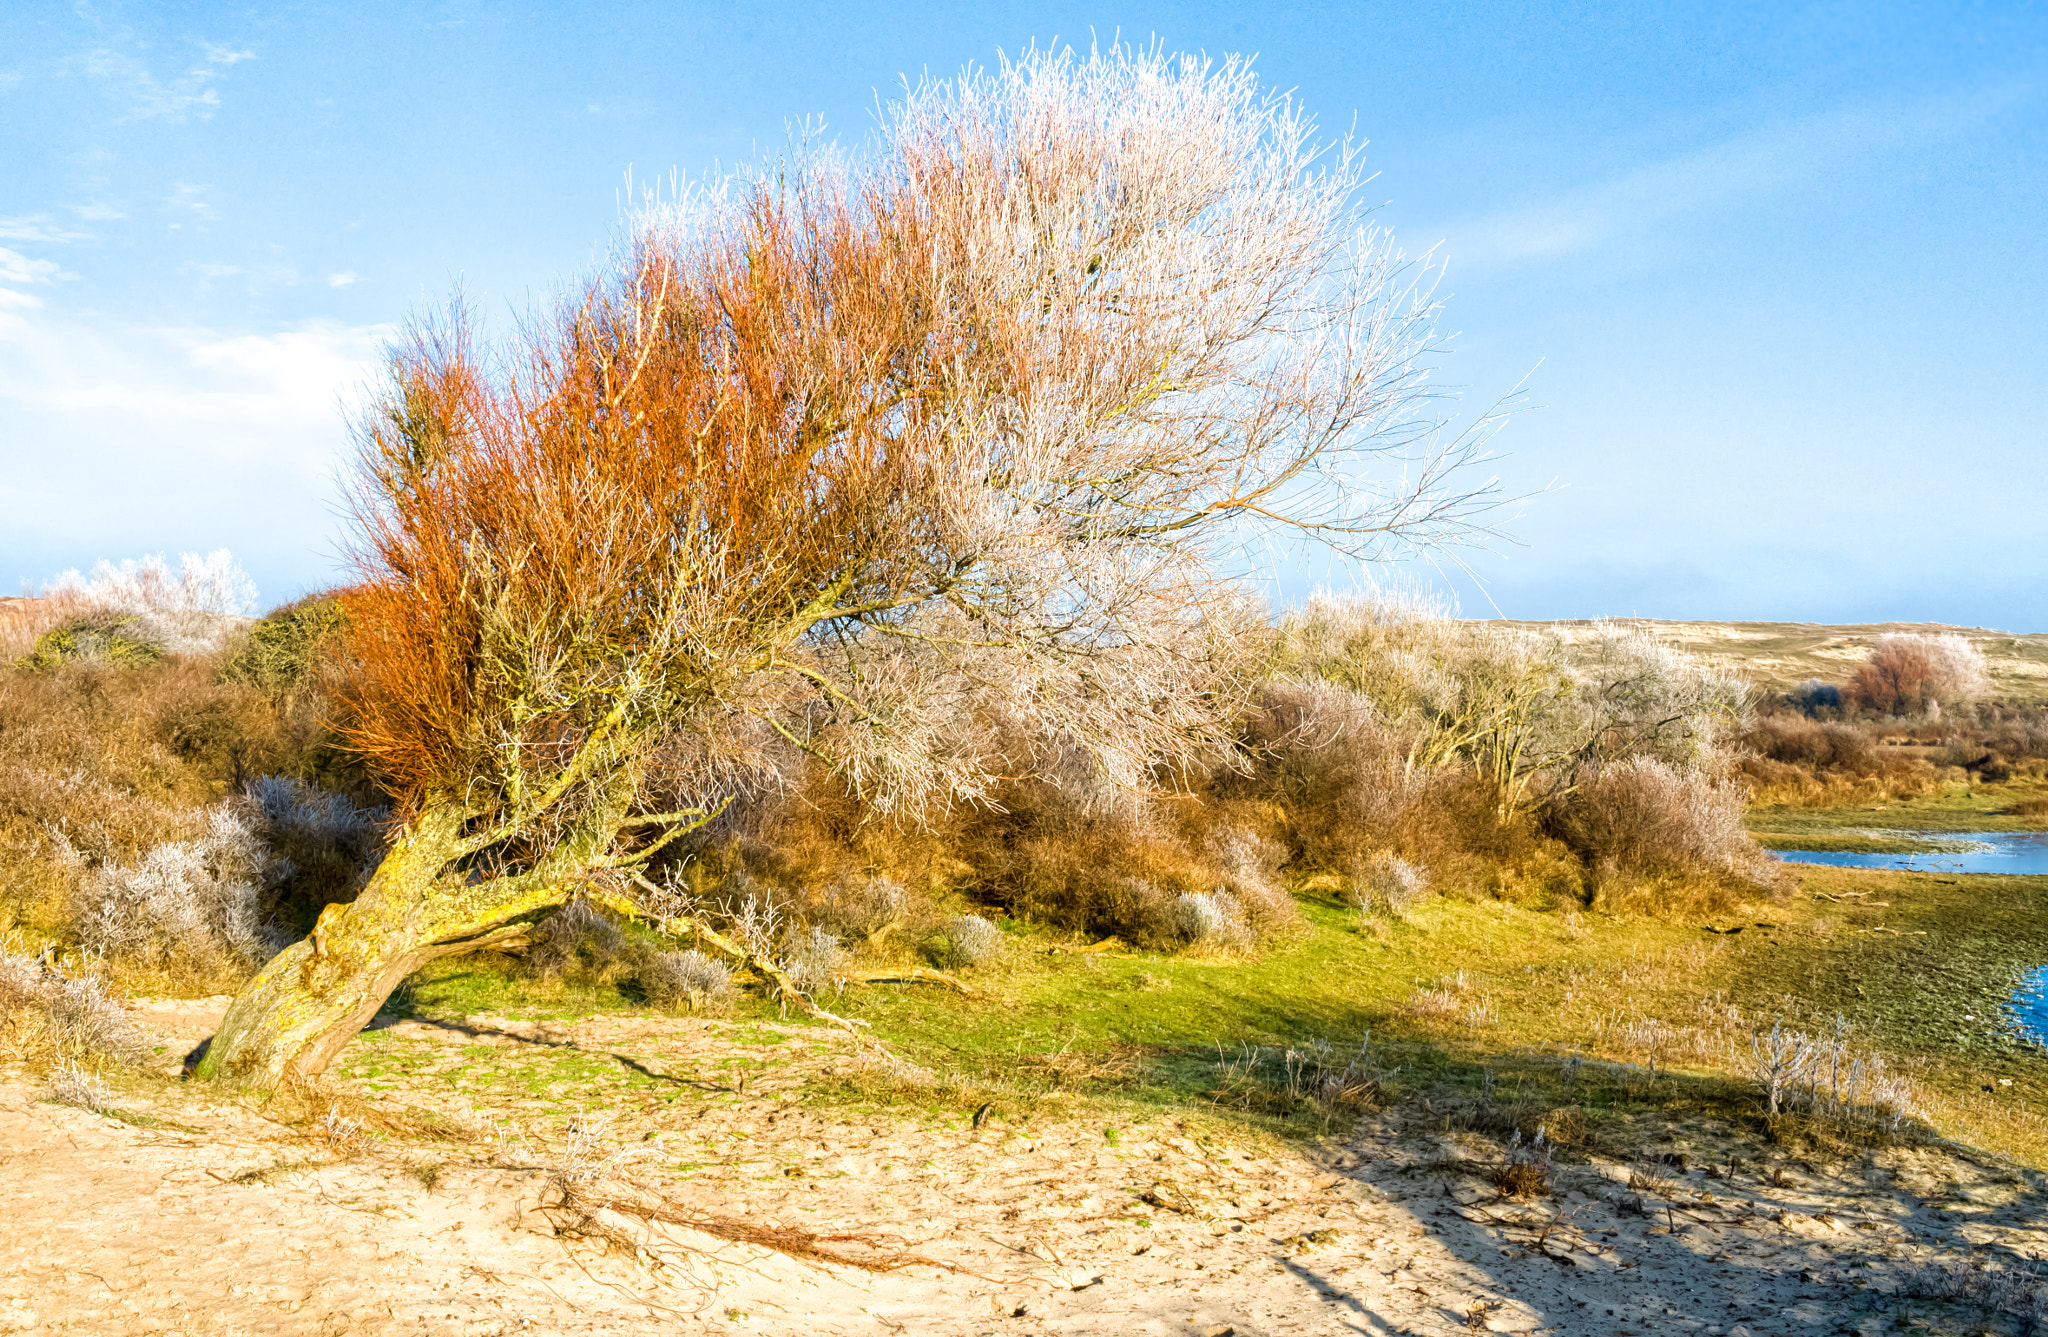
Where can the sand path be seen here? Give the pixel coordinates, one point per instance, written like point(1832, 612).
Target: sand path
point(222, 1221)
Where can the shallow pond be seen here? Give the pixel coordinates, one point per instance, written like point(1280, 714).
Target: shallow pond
point(2030, 1004)
point(2019, 852)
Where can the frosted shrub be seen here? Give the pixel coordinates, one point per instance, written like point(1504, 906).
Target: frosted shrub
point(1821, 1075)
point(1324, 751)
point(1640, 697)
point(2016, 1287)
point(294, 810)
point(215, 583)
point(74, 1014)
point(809, 957)
point(1213, 919)
point(72, 1085)
point(190, 610)
point(578, 937)
point(864, 905)
point(21, 982)
point(972, 940)
point(758, 914)
point(1385, 882)
point(689, 978)
point(1647, 816)
point(85, 1017)
point(328, 844)
point(197, 900)
point(1910, 673)
point(1250, 866)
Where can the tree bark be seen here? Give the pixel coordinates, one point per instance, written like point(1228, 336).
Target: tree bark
point(291, 1021)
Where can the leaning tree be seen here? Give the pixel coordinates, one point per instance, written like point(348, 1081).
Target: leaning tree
point(982, 416)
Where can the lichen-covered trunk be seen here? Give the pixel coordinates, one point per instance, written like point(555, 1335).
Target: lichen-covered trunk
point(291, 1021)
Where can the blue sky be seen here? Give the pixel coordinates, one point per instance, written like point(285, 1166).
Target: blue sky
point(1779, 270)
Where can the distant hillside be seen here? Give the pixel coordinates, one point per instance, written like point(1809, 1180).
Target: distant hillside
point(1783, 654)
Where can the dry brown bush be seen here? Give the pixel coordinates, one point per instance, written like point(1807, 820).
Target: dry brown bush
point(2019, 738)
point(1318, 751)
point(1113, 873)
point(105, 767)
point(1794, 761)
point(1798, 741)
point(1059, 848)
point(1645, 818)
point(1910, 673)
point(117, 758)
point(88, 750)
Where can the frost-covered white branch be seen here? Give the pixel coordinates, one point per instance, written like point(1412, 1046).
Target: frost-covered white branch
point(189, 608)
point(1092, 324)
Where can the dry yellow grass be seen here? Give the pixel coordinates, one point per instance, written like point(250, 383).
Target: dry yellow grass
point(1784, 654)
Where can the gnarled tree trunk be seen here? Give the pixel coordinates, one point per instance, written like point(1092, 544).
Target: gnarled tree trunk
point(291, 1021)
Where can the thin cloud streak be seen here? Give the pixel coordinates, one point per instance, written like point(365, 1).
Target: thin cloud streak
point(1721, 176)
point(39, 227)
point(192, 93)
point(292, 380)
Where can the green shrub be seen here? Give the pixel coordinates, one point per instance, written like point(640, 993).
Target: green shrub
point(120, 639)
point(282, 649)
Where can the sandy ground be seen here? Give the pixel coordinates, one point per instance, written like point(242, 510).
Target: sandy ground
point(214, 1219)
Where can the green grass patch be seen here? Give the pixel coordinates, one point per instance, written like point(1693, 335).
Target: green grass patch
point(1473, 1010)
point(1922, 965)
point(1954, 808)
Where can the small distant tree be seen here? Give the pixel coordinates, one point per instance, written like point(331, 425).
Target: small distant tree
point(1913, 673)
point(854, 454)
point(1814, 696)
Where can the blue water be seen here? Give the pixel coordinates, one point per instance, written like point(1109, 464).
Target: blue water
point(2030, 1005)
point(2019, 852)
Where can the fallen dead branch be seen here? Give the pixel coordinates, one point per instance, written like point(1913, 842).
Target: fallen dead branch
point(1106, 945)
point(807, 1246)
point(911, 975)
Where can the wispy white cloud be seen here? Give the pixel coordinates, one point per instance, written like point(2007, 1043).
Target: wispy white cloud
point(97, 213)
point(1719, 176)
point(18, 268)
point(184, 375)
point(256, 275)
point(192, 93)
point(341, 280)
point(163, 437)
point(632, 110)
point(38, 227)
point(206, 271)
point(187, 204)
